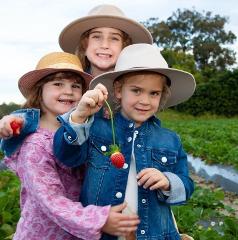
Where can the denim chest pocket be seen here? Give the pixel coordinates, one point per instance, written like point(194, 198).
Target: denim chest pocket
point(99, 155)
point(163, 159)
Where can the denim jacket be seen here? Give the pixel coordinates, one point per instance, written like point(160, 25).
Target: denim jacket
point(104, 184)
point(31, 122)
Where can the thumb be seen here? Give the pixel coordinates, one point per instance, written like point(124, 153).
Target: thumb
point(120, 207)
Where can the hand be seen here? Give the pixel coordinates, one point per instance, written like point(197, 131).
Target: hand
point(153, 179)
point(5, 125)
point(119, 224)
point(90, 103)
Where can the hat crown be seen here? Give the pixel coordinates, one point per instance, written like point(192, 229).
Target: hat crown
point(60, 60)
point(140, 56)
point(106, 9)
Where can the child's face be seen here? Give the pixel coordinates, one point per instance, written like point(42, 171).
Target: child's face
point(103, 49)
point(140, 96)
point(59, 96)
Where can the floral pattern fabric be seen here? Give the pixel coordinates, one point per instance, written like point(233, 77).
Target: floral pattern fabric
point(49, 195)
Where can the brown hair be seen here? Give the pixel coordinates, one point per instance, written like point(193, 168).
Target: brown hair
point(83, 44)
point(166, 88)
point(35, 97)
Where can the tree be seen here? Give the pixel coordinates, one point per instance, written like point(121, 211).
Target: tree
point(203, 35)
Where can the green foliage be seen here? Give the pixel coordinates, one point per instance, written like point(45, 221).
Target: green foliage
point(200, 33)
point(9, 203)
point(213, 139)
point(201, 217)
point(8, 108)
point(218, 96)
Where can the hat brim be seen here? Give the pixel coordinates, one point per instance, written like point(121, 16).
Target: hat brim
point(28, 80)
point(70, 35)
point(182, 83)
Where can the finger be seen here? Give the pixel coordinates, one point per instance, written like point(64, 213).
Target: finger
point(118, 208)
point(143, 172)
point(102, 88)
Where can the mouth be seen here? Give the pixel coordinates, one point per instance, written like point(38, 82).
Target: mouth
point(104, 55)
point(66, 101)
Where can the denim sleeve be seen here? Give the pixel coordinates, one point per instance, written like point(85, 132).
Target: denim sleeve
point(66, 146)
point(81, 130)
point(181, 185)
point(31, 122)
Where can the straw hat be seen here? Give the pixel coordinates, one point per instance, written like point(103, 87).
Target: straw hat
point(139, 57)
point(102, 16)
point(52, 63)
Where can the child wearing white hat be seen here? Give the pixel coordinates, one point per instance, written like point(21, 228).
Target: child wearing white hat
point(151, 172)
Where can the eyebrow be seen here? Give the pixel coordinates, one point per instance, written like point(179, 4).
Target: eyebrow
point(113, 33)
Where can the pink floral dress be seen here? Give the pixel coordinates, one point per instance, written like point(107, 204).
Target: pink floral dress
point(49, 195)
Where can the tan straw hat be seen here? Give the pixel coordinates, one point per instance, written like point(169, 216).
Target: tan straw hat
point(52, 63)
point(102, 16)
point(139, 57)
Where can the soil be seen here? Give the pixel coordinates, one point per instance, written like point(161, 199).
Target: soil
point(231, 198)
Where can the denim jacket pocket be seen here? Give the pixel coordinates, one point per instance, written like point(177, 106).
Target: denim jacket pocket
point(99, 154)
point(163, 159)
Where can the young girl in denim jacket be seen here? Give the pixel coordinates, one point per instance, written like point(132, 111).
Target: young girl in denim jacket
point(97, 39)
point(50, 207)
point(155, 173)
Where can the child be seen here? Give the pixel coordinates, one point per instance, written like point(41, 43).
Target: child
point(155, 173)
point(97, 39)
point(50, 192)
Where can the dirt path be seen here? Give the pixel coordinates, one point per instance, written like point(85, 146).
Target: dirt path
point(231, 199)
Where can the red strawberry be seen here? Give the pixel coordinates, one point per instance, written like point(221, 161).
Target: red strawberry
point(16, 127)
point(117, 159)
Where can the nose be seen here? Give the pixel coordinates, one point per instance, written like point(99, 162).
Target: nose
point(68, 89)
point(105, 43)
point(145, 99)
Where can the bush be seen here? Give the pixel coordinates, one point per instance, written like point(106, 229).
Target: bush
point(218, 96)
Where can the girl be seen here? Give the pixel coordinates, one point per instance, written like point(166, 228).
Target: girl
point(155, 173)
point(49, 192)
point(97, 39)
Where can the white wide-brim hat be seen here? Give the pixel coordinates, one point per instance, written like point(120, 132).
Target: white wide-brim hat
point(147, 57)
point(52, 63)
point(102, 16)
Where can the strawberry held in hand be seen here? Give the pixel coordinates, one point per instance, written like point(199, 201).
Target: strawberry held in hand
point(16, 127)
point(117, 159)
point(116, 156)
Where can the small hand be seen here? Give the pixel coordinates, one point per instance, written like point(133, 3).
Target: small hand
point(153, 179)
point(119, 224)
point(90, 103)
point(6, 130)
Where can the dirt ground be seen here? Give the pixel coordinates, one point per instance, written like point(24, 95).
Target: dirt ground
point(231, 199)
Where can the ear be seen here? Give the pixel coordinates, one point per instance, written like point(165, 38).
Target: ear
point(117, 89)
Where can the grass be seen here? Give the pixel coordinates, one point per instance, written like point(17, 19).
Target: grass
point(213, 139)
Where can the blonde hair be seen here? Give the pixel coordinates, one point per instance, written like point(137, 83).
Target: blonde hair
point(166, 92)
point(83, 44)
point(35, 97)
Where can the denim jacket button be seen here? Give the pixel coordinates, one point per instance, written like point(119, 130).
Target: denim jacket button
point(129, 139)
point(164, 159)
point(119, 195)
point(131, 125)
point(142, 232)
point(125, 166)
point(143, 200)
point(138, 145)
point(69, 137)
point(104, 148)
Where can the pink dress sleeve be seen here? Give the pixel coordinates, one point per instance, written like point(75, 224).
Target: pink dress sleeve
point(42, 177)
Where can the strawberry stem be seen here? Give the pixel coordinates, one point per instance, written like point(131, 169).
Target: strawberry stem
point(112, 122)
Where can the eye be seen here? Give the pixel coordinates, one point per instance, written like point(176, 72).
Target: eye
point(95, 36)
point(137, 91)
point(58, 84)
point(77, 85)
point(156, 93)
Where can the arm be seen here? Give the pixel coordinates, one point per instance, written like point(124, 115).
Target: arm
point(172, 187)
point(65, 136)
point(29, 120)
point(41, 178)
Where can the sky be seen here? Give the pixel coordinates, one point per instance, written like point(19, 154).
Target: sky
point(30, 29)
